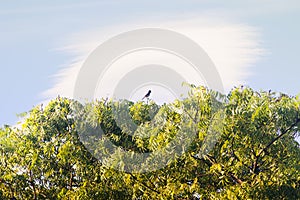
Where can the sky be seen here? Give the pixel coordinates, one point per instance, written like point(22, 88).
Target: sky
point(43, 44)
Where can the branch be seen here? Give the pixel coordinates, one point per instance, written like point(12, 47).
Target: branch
point(194, 120)
point(135, 178)
point(278, 137)
point(212, 161)
point(32, 185)
point(236, 179)
point(239, 181)
point(209, 164)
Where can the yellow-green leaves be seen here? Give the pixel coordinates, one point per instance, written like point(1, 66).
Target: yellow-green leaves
point(239, 146)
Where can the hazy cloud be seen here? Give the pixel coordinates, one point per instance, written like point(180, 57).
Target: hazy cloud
point(233, 47)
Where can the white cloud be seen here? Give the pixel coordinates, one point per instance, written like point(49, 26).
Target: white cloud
point(233, 47)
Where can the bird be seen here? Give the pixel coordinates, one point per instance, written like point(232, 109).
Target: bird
point(147, 95)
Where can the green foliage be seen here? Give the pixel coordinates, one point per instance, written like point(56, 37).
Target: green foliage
point(239, 146)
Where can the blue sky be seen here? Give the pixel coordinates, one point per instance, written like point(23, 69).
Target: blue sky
point(33, 31)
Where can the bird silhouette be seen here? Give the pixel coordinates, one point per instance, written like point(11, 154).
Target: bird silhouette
point(147, 95)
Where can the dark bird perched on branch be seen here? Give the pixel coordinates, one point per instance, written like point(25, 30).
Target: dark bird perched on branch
point(147, 95)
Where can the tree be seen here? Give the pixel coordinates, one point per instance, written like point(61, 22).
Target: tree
point(206, 146)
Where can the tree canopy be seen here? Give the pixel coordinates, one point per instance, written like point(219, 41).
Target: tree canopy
point(206, 146)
